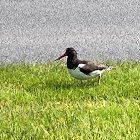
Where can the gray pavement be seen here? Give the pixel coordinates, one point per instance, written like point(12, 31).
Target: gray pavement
point(41, 30)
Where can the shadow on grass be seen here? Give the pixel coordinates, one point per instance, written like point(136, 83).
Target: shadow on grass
point(73, 84)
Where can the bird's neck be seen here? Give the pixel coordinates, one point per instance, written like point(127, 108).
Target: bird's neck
point(72, 62)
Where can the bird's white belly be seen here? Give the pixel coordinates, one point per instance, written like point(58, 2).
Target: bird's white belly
point(76, 73)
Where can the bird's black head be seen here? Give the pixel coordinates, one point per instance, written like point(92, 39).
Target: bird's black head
point(70, 52)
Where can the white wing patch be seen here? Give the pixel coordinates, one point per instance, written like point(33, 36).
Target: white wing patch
point(81, 65)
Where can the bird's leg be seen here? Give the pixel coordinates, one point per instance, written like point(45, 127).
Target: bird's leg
point(81, 82)
point(99, 79)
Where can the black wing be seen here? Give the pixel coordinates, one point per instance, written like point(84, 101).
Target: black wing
point(90, 67)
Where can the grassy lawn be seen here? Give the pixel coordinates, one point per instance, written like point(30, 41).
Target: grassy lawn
point(43, 102)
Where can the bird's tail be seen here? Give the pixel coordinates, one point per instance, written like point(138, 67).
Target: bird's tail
point(111, 68)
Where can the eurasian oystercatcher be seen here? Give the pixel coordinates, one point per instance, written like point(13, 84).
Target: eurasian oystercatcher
point(81, 69)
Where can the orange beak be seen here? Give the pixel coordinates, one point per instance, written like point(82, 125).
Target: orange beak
point(61, 56)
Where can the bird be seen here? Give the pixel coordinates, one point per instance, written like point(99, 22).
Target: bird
point(82, 69)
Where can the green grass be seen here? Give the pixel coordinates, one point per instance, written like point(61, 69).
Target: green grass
point(43, 102)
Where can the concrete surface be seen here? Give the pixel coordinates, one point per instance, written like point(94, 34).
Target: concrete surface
point(41, 30)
